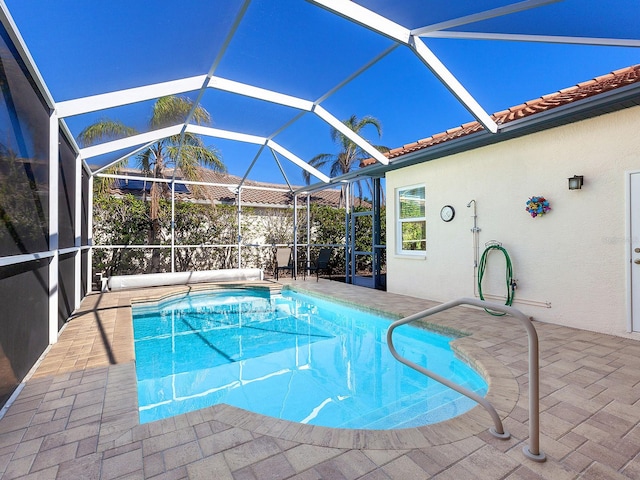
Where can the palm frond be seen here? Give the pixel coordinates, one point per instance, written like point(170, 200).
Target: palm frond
point(193, 155)
point(350, 155)
point(319, 161)
point(103, 131)
point(145, 160)
point(369, 120)
point(102, 185)
point(173, 110)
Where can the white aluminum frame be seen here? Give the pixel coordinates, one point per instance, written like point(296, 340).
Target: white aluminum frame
point(371, 20)
point(400, 35)
point(54, 165)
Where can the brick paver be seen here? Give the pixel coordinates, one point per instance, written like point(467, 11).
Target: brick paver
point(76, 417)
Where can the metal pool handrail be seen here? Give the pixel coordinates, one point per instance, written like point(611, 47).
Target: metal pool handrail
point(533, 450)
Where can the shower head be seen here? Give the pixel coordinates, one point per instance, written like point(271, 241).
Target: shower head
point(469, 204)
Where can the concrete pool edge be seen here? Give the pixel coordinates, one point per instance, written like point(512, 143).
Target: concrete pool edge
point(503, 392)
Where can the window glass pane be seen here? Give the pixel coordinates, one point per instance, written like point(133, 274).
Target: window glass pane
point(414, 235)
point(412, 203)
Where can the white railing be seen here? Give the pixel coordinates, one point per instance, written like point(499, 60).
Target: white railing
point(532, 451)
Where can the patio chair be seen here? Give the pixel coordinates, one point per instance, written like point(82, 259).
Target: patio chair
point(284, 261)
point(321, 263)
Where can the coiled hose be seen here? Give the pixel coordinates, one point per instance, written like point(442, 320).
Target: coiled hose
point(511, 285)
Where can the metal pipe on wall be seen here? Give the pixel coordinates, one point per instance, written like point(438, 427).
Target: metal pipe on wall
point(475, 231)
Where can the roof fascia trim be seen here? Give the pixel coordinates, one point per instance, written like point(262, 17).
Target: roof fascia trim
point(584, 108)
point(565, 114)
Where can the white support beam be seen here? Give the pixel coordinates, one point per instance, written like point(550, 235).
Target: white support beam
point(123, 157)
point(260, 93)
point(103, 101)
point(298, 161)
point(253, 162)
point(284, 174)
point(67, 133)
point(77, 288)
point(54, 166)
point(559, 39)
point(354, 12)
point(25, 257)
point(481, 16)
point(455, 87)
point(365, 17)
point(132, 141)
point(226, 134)
point(350, 134)
point(89, 221)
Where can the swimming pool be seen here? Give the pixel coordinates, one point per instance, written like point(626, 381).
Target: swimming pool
point(294, 357)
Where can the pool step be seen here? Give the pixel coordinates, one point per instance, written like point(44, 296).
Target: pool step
point(415, 410)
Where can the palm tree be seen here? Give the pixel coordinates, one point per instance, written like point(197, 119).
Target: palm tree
point(349, 156)
point(179, 153)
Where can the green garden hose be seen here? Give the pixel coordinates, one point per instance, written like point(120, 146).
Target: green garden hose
point(511, 285)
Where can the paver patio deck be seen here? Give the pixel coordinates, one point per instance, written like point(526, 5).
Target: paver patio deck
point(76, 417)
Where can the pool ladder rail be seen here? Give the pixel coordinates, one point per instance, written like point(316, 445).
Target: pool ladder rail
point(532, 451)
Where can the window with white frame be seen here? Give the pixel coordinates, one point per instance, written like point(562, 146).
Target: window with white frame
point(412, 222)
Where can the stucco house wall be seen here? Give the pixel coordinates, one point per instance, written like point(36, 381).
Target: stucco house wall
point(571, 264)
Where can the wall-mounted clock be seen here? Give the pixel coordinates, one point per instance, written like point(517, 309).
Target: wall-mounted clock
point(447, 213)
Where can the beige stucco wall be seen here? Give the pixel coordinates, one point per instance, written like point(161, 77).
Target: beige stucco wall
point(571, 264)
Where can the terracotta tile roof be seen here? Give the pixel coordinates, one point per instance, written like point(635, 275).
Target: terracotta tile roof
point(596, 86)
point(225, 194)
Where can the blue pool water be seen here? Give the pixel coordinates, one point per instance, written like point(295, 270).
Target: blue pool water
point(293, 357)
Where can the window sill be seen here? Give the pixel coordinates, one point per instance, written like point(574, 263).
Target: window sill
point(414, 256)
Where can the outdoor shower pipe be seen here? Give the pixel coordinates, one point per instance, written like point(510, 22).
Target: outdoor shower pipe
point(533, 450)
point(475, 231)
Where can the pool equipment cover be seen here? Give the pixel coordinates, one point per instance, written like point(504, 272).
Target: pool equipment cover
point(121, 282)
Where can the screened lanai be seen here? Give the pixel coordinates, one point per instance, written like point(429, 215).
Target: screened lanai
point(276, 78)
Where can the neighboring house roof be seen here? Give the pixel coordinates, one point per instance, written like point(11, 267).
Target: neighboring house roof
point(597, 86)
point(254, 193)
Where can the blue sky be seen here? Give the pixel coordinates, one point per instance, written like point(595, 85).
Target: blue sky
point(84, 48)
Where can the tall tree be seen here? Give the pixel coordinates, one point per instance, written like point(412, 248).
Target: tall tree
point(349, 154)
point(184, 153)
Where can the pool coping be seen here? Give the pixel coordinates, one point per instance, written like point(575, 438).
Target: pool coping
point(503, 393)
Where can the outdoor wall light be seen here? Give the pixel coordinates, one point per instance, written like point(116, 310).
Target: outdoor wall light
point(575, 182)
